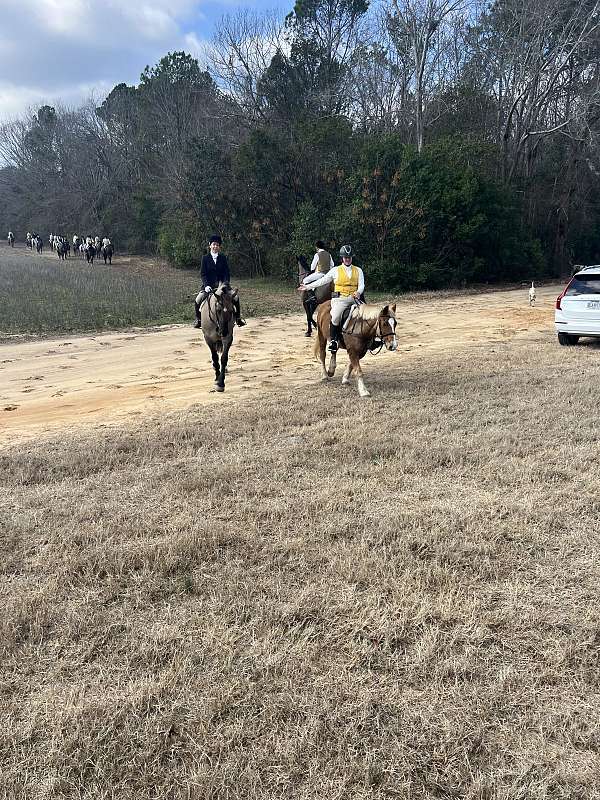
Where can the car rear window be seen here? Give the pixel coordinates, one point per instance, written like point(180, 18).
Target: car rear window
point(584, 284)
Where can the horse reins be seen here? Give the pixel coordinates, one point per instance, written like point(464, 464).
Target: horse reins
point(218, 307)
point(378, 335)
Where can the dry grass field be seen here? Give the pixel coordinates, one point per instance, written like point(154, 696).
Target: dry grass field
point(41, 295)
point(306, 596)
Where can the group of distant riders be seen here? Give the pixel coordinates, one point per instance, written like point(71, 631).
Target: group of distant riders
point(88, 247)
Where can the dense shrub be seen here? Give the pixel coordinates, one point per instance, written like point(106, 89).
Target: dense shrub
point(432, 219)
point(181, 241)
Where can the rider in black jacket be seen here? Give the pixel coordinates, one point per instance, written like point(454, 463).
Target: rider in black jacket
point(213, 271)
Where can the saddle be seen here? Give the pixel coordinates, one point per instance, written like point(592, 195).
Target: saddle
point(348, 315)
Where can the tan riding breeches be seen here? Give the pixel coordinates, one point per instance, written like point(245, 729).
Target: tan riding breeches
point(338, 304)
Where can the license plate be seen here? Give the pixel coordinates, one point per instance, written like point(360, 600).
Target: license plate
point(593, 304)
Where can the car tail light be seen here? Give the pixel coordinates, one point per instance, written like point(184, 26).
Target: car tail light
point(561, 295)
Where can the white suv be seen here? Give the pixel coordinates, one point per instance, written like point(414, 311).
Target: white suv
point(578, 306)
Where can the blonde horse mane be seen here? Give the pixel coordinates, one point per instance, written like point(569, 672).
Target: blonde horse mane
point(372, 311)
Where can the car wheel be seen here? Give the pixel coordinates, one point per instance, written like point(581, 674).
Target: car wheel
point(565, 339)
point(572, 338)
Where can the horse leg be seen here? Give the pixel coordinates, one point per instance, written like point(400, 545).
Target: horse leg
point(214, 353)
point(355, 363)
point(346, 375)
point(308, 319)
point(224, 359)
point(320, 350)
point(332, 365)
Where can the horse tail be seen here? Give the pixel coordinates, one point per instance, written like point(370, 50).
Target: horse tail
point(317, 345)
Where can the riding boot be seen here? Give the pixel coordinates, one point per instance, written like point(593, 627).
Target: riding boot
point(238, 314)
point(197, 323)
point(334, 332)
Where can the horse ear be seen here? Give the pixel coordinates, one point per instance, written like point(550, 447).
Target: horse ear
point(393, 309)
point(385, 311)
point(235, 292)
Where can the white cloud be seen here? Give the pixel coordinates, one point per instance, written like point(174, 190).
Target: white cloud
point(59, 50)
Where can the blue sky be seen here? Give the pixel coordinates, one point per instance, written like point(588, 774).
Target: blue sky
point(63, 51)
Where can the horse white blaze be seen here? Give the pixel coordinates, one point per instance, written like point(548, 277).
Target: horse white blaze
point(392, 322)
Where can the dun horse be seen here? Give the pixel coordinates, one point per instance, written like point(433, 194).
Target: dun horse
point(366, 323)
point(217, 316)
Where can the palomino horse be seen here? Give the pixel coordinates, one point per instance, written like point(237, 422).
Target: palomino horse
point(311, 299)
point(366, 323)
point(217, 316)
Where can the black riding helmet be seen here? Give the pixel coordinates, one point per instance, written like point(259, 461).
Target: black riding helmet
point(346, 251)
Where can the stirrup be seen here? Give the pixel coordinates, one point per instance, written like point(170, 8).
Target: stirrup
point(240, 322)
point(333, 346)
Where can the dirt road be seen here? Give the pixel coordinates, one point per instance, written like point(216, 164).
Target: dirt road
point(53, 384)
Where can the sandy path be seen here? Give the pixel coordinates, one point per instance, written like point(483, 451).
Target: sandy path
point(107, 378)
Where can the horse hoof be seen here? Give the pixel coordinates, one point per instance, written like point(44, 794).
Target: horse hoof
point(219, 388)
point(365, 394)
point(308, 334)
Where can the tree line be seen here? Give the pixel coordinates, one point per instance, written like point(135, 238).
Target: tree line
point(448, 142)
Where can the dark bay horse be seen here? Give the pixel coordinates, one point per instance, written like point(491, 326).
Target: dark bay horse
point(311, 299)
point(62, 249)
point(107, 253)
point(217, 315)
point(367, 322)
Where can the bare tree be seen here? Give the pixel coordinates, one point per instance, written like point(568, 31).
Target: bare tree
point(421, 28)
point(241, 53)
point(381, 75)
point(540, 57)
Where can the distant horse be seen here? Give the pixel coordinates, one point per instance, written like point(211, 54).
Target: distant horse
point(11, 239)
point(39, 245)
point(107, 253)
point(311, 299)
point(90, 253)
point(366, 324)
point(62, 248)
point(217, 316)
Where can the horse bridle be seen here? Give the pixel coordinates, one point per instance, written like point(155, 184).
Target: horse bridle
point(219, 308)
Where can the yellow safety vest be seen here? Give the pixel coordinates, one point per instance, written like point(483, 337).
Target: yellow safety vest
point(345, 285)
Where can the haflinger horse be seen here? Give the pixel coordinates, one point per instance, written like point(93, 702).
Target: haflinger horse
point(217, 316)
point(366, 324)
point(311, 300)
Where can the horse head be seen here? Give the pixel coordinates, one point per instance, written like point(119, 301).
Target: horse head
point(386, 326)
point(225, 296)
